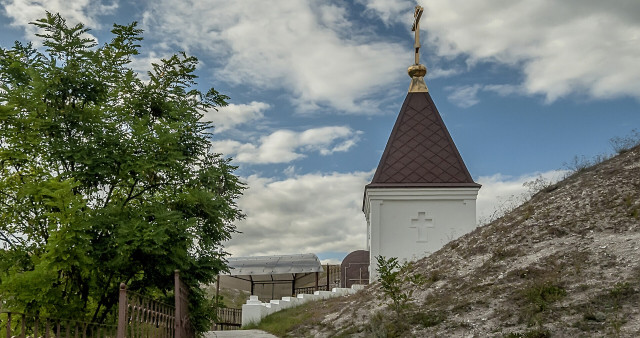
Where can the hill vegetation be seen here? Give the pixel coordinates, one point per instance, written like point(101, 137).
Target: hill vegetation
point(565, 263)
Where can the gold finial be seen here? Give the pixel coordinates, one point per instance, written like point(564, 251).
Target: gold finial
point(417, 71)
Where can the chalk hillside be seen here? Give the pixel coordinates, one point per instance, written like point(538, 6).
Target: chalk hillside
point(566, 263)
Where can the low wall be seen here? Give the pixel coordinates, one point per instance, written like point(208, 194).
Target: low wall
point(254, 310)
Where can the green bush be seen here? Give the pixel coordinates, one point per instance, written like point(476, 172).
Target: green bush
point(542, 295)
point(397, 283)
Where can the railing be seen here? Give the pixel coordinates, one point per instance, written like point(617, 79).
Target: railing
point(16, 324)
point(329, 281)
point(310, 289)
point(228, 319)
point(140, 316)
point(332, 276)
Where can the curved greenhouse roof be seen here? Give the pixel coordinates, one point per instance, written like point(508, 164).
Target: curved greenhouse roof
point(274, 265)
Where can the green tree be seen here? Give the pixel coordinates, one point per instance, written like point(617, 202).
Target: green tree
point(106, 178)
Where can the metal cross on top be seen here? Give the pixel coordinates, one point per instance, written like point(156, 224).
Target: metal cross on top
point(416, 28)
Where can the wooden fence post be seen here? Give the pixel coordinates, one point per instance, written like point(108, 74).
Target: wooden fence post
point(122, 312)
point(178, 313)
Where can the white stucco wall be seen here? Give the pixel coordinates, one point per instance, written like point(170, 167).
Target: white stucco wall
point(411, 223)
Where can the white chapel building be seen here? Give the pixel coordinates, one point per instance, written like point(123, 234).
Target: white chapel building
point(421, 196)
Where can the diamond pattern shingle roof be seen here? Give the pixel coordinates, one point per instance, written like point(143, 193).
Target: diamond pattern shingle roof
point(420, 151)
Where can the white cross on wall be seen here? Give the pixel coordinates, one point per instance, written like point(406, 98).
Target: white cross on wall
point(422, 223)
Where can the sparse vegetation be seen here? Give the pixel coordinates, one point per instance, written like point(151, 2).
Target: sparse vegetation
point(623, 144)
point(539, 184)
point(398, 283)
point(582, 163)
point(542, 295)
point(604, 311)
point(503, 253)
point(383, 325)
point(534, 333)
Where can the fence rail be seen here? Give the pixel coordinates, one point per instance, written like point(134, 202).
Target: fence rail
point(310, 289)
point(16, 324)
point(328, 282)
point(140, 316)
point(228, 319)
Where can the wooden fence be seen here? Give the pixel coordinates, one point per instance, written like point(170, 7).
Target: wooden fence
point(15, 324)
point(227, 319)
point(138, 316)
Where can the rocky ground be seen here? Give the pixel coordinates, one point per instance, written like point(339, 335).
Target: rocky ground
point(564, 264)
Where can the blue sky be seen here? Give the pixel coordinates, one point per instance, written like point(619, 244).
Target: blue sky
point(315, 87)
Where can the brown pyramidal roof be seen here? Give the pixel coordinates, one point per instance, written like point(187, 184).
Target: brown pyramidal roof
point(420, 151)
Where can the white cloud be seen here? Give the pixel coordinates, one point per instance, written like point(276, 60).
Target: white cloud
point(306, 47)
point(322, 213)
point(233, 115)
point(467, 96)
point(439, 72)
point(505, 89)
point(464, 96)
point(563, 47)
point(500, 193)
point(390, 11)
point(307, 213)
point(284, 146)
point(74, 11)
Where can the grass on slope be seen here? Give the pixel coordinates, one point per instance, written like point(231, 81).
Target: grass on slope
point(281, 322)
point(288, 320)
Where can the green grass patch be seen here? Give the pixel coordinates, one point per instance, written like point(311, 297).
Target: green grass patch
point(534, 333)
point(536, 299)
point(542, 295)
point(282, 322)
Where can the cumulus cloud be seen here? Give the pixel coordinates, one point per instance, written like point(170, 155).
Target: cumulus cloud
point(316, 213)
point(283, 146)
point(467, 96)
point(464, 96)
point(500, 193)
point(228, 117)
point(390, 11)
point(21, 12)
point(301, 46)
point(563, 47)
point(322, 213)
